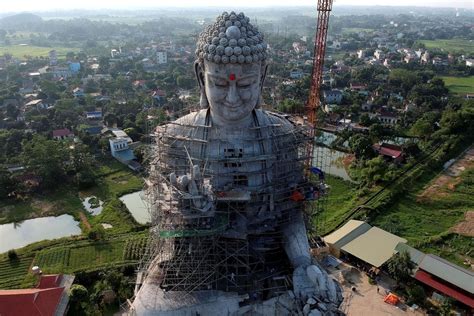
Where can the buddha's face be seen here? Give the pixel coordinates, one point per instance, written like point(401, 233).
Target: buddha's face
point(232, 90)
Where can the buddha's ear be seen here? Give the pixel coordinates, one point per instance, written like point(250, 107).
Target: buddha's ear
point(263, 75)
point(199, 71)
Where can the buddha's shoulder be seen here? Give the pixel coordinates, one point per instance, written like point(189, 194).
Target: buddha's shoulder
point(274, 119)
point(187, 123)
point(196, 118)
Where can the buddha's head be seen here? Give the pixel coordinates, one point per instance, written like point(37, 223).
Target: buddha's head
point(231, 67)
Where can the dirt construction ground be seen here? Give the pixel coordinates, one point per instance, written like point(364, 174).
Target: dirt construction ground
point(366, 300)
point(449, 178)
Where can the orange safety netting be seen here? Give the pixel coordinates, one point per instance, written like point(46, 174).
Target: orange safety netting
point(391, 299)
point(297, 196)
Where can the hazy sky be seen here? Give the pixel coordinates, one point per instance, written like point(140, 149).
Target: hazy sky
point(38, 5)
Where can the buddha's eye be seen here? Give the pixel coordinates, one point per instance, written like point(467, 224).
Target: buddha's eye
point(244, 84)
point(221, 84)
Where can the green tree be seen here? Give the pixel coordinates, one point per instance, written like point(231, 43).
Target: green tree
point(365, 120)
point(12, 255)
point(78, 293)
point(446, 306)
point(361, 146)
point(400, 266)
point(290, 106)
point(7, 185)
point(46, 158)
point(374, 170)
point(96, 233)
point(416, 295)
point(376, 132)
point(402, 78)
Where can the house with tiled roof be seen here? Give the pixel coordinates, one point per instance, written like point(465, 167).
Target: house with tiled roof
point(390, 152)
point(61, 134)
point(49, 298)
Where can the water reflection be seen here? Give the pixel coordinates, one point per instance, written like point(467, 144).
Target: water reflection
point(20, 234)
point(137, 205)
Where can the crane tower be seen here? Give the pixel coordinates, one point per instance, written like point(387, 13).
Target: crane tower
point(316, 156)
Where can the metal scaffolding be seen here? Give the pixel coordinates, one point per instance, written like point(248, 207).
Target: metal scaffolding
point(197, 241)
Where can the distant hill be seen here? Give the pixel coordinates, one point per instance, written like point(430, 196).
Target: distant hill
point(20, 21)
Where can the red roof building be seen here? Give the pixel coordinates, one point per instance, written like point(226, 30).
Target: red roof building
point(49, 298)
point(445, 288)
point(358, 86)
point(390, 151)
point(62, 134)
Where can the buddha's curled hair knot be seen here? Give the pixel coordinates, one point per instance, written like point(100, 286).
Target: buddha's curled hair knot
point(231, 39)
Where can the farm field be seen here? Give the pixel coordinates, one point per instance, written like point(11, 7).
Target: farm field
point(70, 256)
point(459, 85)
point(13, 272)
point(91, 255)
point(452, 45)
point(20, 51)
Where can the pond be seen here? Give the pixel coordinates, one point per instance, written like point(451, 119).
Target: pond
point(137, 205)
point(17, 235)
point(332, 162)
point(326, 138)
point(93, 205)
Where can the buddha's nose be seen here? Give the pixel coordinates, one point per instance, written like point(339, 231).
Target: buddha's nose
point(232, 96)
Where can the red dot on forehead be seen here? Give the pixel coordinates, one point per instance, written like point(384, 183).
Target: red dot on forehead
point(232, 77)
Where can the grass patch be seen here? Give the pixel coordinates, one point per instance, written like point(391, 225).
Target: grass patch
point(62, 201)
point(421, 221)
point(451, 45)
point(459, 85)
point(12, 272)
point(114, 180)
point(20, 51)
point(453, 247)
point(342, 198)
point(116, 214)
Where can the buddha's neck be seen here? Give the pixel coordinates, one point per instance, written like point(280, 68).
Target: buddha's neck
point(232, 125)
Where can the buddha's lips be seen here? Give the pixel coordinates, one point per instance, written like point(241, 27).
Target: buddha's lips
point(233, 107)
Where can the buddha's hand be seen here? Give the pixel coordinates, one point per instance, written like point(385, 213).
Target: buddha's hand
point(192, 184)
point(313, 285)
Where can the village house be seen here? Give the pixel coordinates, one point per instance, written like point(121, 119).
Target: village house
point(94, 115)
point(357, 86)
point(296, 74)
point(385, 116)
point(390, 152)
point(38, 104)
point(62, 134)
point(49, 297)
point(379, 54)
point(333, 96)
point(78, 92)
point(162, 57)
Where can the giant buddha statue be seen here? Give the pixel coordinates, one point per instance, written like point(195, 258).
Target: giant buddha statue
point(227, 190)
